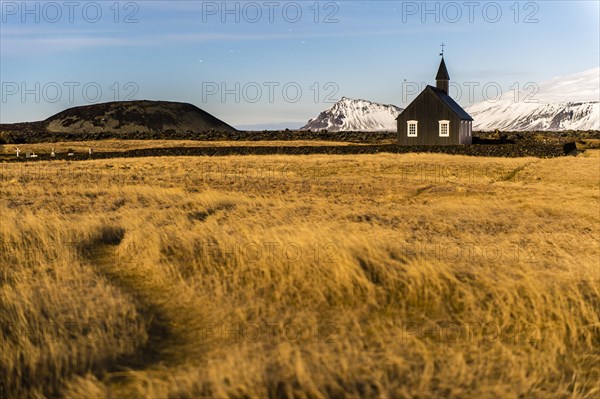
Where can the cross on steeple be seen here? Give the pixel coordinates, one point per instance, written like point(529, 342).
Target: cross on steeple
point(442, 53)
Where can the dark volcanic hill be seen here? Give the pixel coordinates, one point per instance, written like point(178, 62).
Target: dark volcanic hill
point(125, 117)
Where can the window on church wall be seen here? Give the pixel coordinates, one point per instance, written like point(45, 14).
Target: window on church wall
point(444, 128)
point(412, 128)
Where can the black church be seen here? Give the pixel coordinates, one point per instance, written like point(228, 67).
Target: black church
point(434, 118)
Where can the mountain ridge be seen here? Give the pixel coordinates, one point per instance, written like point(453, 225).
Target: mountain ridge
point(141, 116)
point(570, 102)
point(355, 115)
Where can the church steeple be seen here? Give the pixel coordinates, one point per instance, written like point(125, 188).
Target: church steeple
point(442, 79)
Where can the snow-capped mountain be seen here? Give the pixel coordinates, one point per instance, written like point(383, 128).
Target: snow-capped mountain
point(355, 115)
point(562, 103)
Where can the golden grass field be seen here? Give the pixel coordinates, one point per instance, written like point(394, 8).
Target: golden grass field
point(115, 145)
point(374, 276)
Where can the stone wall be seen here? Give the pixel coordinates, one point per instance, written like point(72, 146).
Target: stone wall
point(482, 150)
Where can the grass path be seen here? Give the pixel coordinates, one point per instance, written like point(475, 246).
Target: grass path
point(173, 313)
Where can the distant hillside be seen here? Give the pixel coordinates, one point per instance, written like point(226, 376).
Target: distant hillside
point(135, 117)
point(355, 115)
point(124, 119)
point(563, 103)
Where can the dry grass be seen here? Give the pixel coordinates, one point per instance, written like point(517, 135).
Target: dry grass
point(369, 276)
point(114, 145)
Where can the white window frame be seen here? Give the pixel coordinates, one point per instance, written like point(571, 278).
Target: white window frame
point(447, 125)
point(409, 124)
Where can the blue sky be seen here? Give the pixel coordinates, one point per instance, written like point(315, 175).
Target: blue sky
point(274, 64)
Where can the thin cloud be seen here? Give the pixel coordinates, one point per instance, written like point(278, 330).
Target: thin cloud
point(23, 42)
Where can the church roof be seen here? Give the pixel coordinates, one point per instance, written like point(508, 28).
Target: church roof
point(445, 99)
point(453, 105)
point(442, 72)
